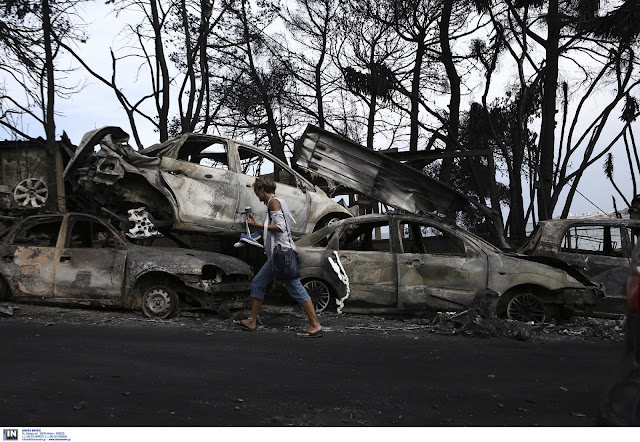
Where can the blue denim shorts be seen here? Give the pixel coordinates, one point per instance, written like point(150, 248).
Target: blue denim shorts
point(265, 276)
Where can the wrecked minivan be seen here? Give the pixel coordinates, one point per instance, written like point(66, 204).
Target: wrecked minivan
point(79, 259)
point(399, 262)
point(192, 183)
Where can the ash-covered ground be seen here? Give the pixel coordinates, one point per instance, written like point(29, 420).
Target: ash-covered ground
point(279, 318)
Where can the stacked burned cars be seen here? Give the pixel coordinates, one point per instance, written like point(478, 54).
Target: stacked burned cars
point(78, 259)
point(198, 184)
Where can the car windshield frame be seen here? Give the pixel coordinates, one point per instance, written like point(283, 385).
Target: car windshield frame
point(122, 241)
point(303, 182)
point(530, 245)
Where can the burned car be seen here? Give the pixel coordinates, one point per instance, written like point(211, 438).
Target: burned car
point(79, 259)
point(599, 248)
point(395, 262)
point(192, 183)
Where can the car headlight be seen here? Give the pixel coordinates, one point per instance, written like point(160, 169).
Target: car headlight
point(212, 274)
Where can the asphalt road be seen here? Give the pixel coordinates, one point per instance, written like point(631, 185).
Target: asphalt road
point(119, 369)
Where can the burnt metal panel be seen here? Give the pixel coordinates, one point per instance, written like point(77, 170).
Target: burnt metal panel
point(385, 179)
point(372, 173)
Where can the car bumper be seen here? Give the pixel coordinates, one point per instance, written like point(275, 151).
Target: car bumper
point(229, 287)
point(578, 296)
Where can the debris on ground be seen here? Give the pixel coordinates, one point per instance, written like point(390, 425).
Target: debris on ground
point(6, 310)
point(478, 321)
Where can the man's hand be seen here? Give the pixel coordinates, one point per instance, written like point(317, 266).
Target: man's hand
point(252, 221)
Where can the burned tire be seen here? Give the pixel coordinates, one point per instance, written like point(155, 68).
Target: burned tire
point(160, 302)
point(320, 294)
point(526, 307)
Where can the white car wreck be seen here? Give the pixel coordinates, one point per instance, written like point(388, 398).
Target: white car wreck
point(191, 183)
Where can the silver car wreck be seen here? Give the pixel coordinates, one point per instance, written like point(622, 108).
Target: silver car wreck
point(191, 183)
point(79, 259)
point(397, 262)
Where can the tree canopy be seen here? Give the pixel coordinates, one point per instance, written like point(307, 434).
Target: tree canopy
point(517, 77)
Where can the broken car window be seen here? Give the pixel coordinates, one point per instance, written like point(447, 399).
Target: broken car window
point(366, 237)
point(208, 154)
point(38, 234)
point(252, 163)
point(599, 240)
point(90, 234)
point(423, 238)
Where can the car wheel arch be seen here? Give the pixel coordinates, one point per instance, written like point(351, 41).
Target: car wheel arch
point(328, 218)
point(320, 284)
point(330, 278)
point(147, 280)
point(542, 293)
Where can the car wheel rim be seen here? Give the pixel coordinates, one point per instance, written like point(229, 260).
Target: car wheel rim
point(526, 308)
point(319, 293)
point(31, 192)
point(158, 302)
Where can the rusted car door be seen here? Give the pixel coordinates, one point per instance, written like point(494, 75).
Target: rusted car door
point(203, 183)
point(92, 262)
point(29, 261)
point(437, 269)
point(254, 163)
point(367, 257)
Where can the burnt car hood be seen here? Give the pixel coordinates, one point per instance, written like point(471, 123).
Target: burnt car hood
point(558, 264)
point(185, 260)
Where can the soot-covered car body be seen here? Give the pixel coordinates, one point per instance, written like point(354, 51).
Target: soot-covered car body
point(192, 183)
point(599, 248)
point(393, 262)
point(79, 259)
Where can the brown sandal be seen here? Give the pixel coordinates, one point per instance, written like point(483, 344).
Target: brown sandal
point(244, 326)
